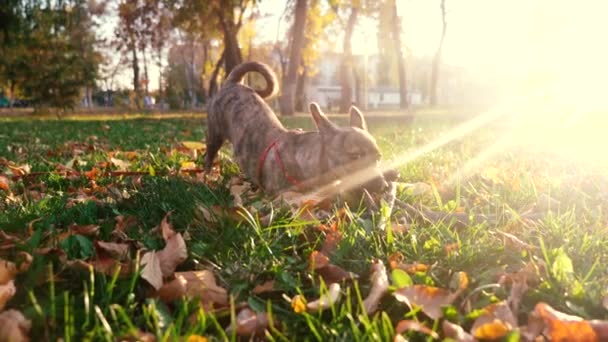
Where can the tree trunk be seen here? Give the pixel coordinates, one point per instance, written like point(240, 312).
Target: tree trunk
point(135, 75)
point(230, 29)
point(143, 53)
point(213, 82)
point(346, 67)
point(396, 25)
point(300, 102)
point(437, 59)
point(286, 101)
point(159, 64)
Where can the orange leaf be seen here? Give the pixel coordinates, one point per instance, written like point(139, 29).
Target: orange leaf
point(563, 327)
point(267, 286)
point(318, 260)
point(4, 183)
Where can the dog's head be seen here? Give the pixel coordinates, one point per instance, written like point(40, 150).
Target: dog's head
point(351, 152)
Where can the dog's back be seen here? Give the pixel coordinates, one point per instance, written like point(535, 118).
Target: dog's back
point(239, 114)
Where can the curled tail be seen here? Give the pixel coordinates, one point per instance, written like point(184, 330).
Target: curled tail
point(237, 74)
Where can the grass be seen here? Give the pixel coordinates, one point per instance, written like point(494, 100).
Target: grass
point(570, 240)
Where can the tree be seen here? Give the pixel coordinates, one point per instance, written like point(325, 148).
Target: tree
point(287, 98)
point(437, 58)
point(346, 65)
point(396, 35)
point(49, 52)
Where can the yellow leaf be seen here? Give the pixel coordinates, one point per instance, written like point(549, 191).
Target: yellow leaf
point(188, 165)
point(298, 303)
point(193, 145)
point(151, 171)
point(492, 331)
point(196, 338)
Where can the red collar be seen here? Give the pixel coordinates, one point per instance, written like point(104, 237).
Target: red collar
point(274, 144)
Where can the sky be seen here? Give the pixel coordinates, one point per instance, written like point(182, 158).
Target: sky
point(518, 41)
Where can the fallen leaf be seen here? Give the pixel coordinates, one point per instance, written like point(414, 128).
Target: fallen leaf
point(237, 190)
point(379, 281)
point(114, 250)
point(456, 332)
point(267, 286)
point(86, 230)
point(335, 274)
point(298, 304)
point(7, 291)
point(151, 270)
point(409, 325)
point(318, 260)
point(172, 255)
point(495, 322)
point(326, 300)
point(8, 271)
point(196, 338)
point(194, 284)
point(15, 327)
point(120, 164)
point(249, 322)
point(428, 298)
point(166, 228)
point(193, 145)
point(24, 260)
point(563, 327)
point(4, 183)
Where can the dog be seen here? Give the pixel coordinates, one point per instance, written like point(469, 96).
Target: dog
point(277, 159)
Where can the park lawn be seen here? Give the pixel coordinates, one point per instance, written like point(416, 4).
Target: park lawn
point(59, 218)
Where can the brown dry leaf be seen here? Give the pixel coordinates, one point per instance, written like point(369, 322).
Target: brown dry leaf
point(124, 223)
point(326, 300)
point(114, 250)
point(318, 260)
point(166, 228)
point(7, 291)
point(24, 261)
point(237, 190)
point(496, 322)
point(456, 332)
point(15, 327)
point(409, 325)
point(151, 270)
point(515, 242)
point(203, 284)
point(87, 230)
point(428, 298)
point(267, 286)
point(249, 322)
point(380, 284)
point(8, 271)
point(335, 274)
point(4, 183)
point(194, 284)
point(559, 326)
point(120, 164)
point(172, 255)
point(396, 261)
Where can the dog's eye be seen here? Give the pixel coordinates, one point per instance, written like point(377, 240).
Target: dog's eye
point(355, 156)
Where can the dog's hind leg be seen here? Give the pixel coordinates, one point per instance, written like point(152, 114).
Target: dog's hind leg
point(214, 143)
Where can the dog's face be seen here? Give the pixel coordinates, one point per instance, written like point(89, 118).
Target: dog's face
point(351, 152)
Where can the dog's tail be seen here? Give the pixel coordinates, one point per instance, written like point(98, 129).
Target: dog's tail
point(237, 74)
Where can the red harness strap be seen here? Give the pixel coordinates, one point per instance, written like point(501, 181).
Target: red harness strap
point(274, 144)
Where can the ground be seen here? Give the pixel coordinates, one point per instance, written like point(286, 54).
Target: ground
point(84, 194)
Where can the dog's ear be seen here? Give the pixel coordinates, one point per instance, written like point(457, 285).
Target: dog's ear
point(322, 122)
point(357, 119)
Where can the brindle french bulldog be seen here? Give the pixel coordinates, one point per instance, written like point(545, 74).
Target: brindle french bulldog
point(277, 159)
